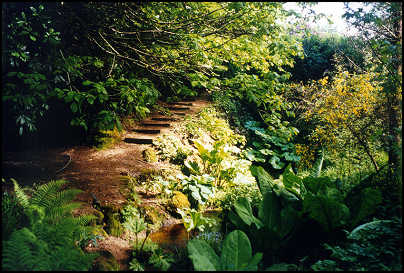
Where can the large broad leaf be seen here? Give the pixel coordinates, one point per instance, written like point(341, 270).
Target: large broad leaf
point(364, 204)
point(316, 184)
point(330, 213)
point(253, 264)
point(265, 181)
point(269, 211)
point(282, 267)
point(289, 218)
point(276, 162)
point(363, 231)
point(236, 251)
point(243, 209)
point(236, 220)
point(291, 181)
point(253, 155)
point(203, 256)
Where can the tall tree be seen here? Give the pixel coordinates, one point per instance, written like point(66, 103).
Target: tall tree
point(380, 26)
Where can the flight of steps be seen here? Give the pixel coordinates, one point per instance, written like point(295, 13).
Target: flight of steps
point(157, 123)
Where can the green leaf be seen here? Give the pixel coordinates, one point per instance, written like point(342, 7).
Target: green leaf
point(269, 211)
point(253, 264)
point(253, 155)
point(244, 210)
point(276, 162)
point(87, 82)
point(330, 213)
point(366, 204)
point(203, 256)
point(282, 267)
point(74, 107)
point(236, 251)
point(32, 37)
point(290, 156)
point(316, 184)
point(265, 181)
point(291, 181)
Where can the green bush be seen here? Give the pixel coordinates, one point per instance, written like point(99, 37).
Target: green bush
point(50, 240)
point(11, 214)
point(236, 254)
point(372, 246)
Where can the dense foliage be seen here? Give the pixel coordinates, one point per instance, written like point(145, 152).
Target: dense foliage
point(101, 68)
point(47, 238)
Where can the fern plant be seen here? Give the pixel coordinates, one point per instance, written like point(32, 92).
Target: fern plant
point(51, 238)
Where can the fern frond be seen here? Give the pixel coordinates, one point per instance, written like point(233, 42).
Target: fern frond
point(58, 212)
point(24, 251)
point(22, 198)
point(64, 197)
point(84, 220)
point(45, 192)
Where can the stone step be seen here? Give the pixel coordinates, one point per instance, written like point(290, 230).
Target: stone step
point(163, 119)
point(138, 140)
point(189, 99)
point(178, 108)
point(180, 103)
point(155, 124)
point(147, 131)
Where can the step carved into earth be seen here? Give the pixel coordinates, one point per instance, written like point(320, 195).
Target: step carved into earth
point(138, 140)
point(178, 108)
point(180, 114)
point(180, 103)
point(189, 99)
point(147, 131)
point(155, 124)
point(164, 119)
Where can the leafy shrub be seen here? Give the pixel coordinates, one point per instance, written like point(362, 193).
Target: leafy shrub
point(108, 138)
point(227, 197)
point(30, 39)
point(371, 246)
point(236, 254)
point(215, 158)
point(289, 202)
point(268, 148)
point(237, 112)
point(12, 215)
point(198, 189)
point(49, 242)
point(210, 121)
point(149, 254)
point(194, 220)
point(169, 146)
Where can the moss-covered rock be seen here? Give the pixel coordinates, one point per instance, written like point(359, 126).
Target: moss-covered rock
point(153, 216)
point(98, 230)
point(100, 218)
point(178, 201)
point(106, 262)
point(150, 155)
point(112, 221)
point(114, 226)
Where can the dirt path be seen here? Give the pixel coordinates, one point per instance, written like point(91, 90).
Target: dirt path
point(99, 172)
